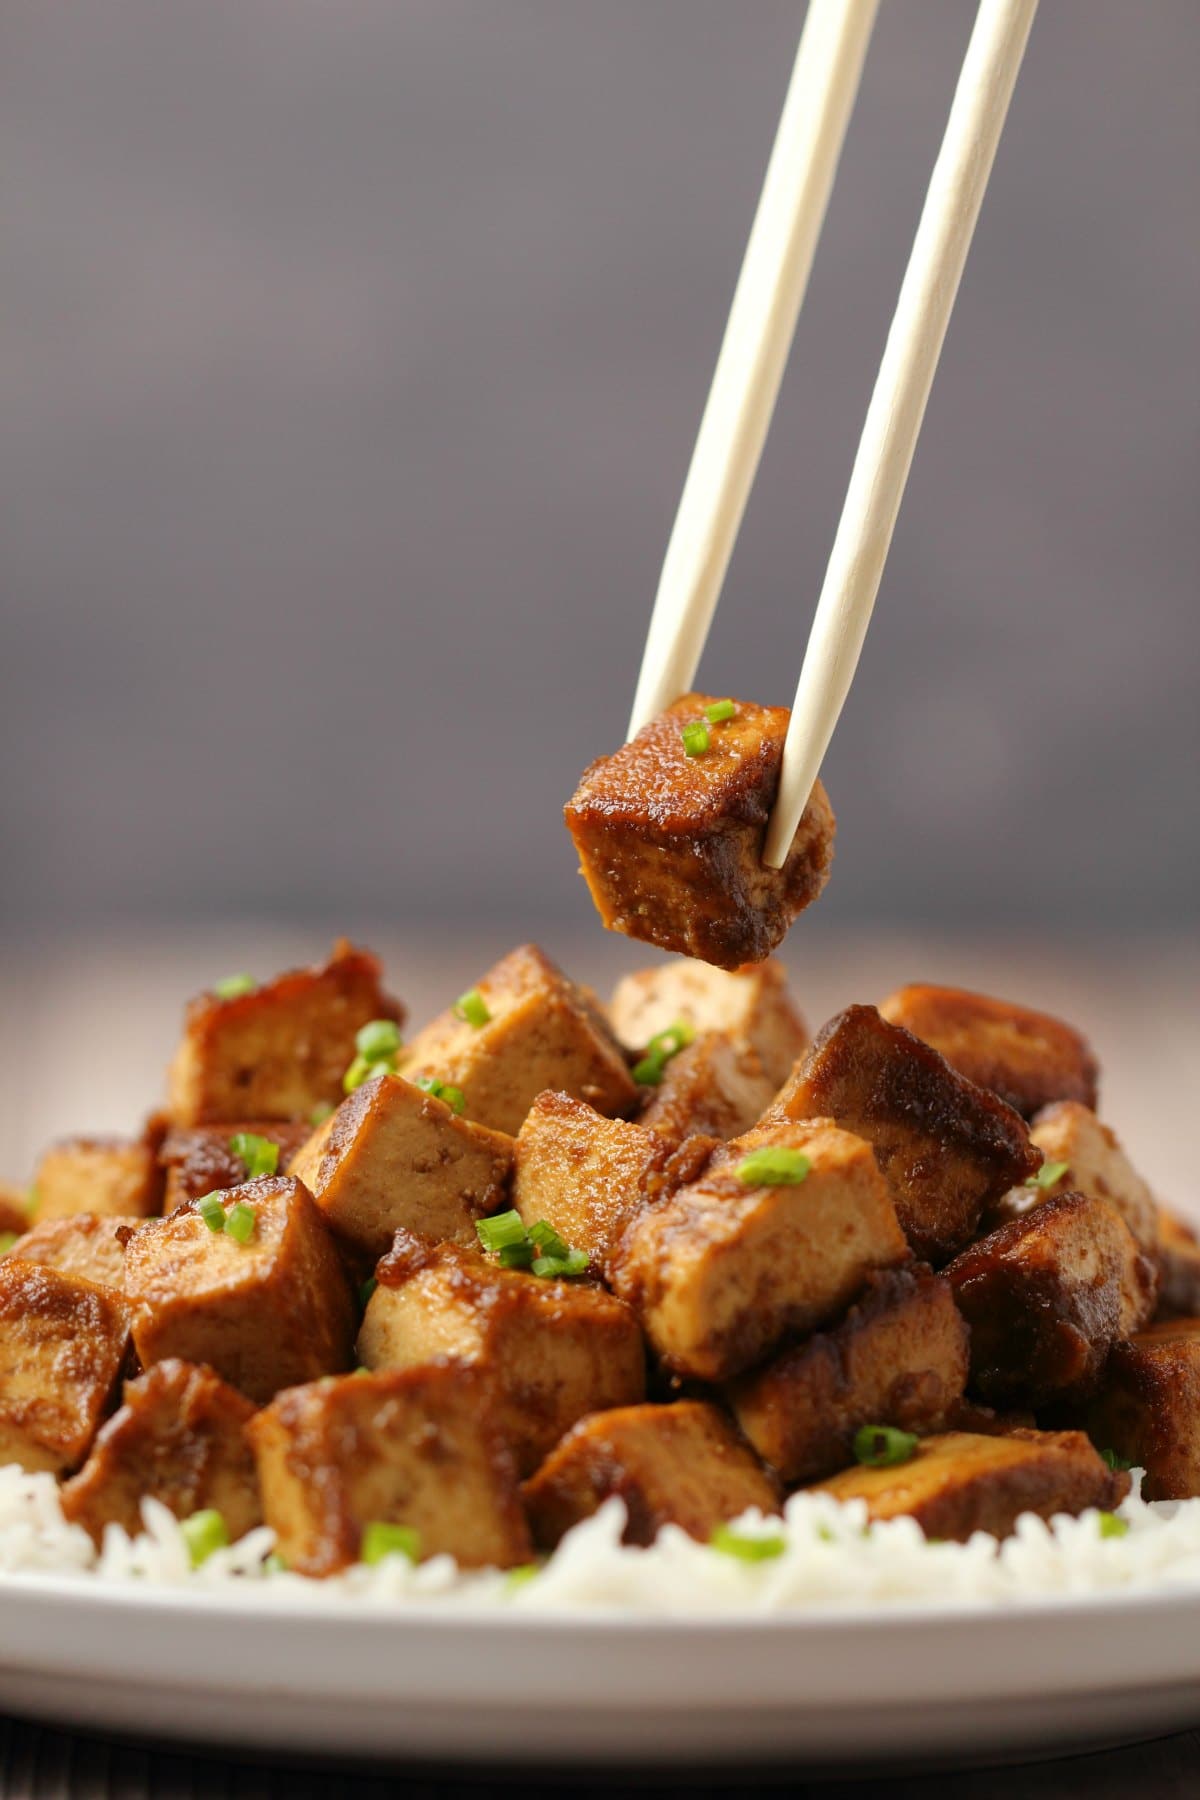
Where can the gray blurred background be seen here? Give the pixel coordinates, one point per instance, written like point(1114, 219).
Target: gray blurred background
point(350, 360)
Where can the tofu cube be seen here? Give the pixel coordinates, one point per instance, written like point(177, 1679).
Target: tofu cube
point(1148, 1410)
point(1028, 1058)
point(15, 1211)
point(280, 1050)
point(542, 1031)
point(682, 1464)
point(1047, 1296)
point(752, 1006)
point(670, 844)
point(62, 1343)
point(1177, 1253)
point(713, 1087)
point(899, 1357)
point(265, 1314)
point(118, 1176)
point(946, 1147)
point(721, 1271)
point(587, 1175)
point(179, 1438)
point(1096, 1165)
point(198, 1159)
point(87, 1244)
point(412, 1447)
point(961, 1482)
point(392, 1158)
point(549, 1351)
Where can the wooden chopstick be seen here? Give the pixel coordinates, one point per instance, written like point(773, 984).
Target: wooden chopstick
point(893, 421)
point(754, 351)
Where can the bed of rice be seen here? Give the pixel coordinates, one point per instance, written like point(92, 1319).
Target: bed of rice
point(829, 1560)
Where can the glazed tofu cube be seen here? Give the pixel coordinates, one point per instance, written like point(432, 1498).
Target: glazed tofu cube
point(1028, 1058)
point(1148, 1410)
point(960, 1482)
point(265, 1314)
point(728, 1266)
point(542, 1031)
point(549, 1351)
point(670, 844)
point(14, 1210)
point(682, 1465)
point(280, 1050)
point(946, 1147)
point(752, 1006)
point(898, 1358)
point(1096, 1164)
point(119, 1176)
point(199, 1159)
point(62, 1343)
point(179, 1437)
point(713, 1088)
point(87, 1244)
point(1047, 1296)
point(392, 1158)
point(587, 1175)
point(412, 1447)
point(1178, 1255)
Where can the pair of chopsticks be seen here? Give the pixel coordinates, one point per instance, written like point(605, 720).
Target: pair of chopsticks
point(758, 336)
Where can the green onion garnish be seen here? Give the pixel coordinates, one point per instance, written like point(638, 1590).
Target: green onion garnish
point(744, 1547)
point(259, 1154)
point(547, 1239)
point(240, 1221)
point(574, 1263)
point(882, 1446)
point(320, 1112)
point(1115, 1462)
point(516, 1256)
point(498, 1232)
point(231, 986)
point(204, 1532)
point(659, 1051)
point(377, 1039)
point(366, 1290)
point(7, 1240)
point(518, 1577)
point(695, 738)
point(472, 1008)
point(212, 1212)
point(380, 1540)
point(775, 1165)
point(719, 711)
point(453, 1097)
point(1111, 1526)
point(361, 1070)
point(1049, 1175)
point(273, 1564)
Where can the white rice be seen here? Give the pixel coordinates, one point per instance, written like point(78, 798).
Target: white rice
point(830, 1560)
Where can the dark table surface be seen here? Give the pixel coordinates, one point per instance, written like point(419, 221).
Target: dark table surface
point(37, 1763)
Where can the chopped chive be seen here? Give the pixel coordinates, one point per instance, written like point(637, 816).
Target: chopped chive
point(366, 1290)
point(882, 1446)
point(744, 1547)
point(321, 1111)
point(775, 1165)
point(273, 1564)
point(719, 711)
point(240, 1221)
point(520, 1576)
point(362, 1369)
point(212, 1212)
point(649, 1071)
point(1111, 1526)
point(498, 1232)
point(259, 1154)
point(361, 1070)
point(7, 1240)
point(546, 1239)
point(1049, 1175)
point(204, 1532)
point(231, 986)
point(472, 1008)
point(378, 1039)
point(1114, 1461)
point(659, 1051)
point(516, 1256)
point(32, 1199)
point(453, 1097)
point(574, 1263)
point(695, 738)
point(380, 1540)
point(826, 1533)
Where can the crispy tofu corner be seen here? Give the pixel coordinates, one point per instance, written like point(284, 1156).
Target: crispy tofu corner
point(62, 1344)
point(86, 1244)
point(682, 1465)
point(1148, 1408)
point(1028, 1058)
point(670, 843)
point(119, 1176)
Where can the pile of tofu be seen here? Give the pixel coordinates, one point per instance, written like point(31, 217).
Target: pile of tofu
point(916, 1221)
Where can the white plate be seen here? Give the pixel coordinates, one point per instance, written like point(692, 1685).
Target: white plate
point(424, 1683)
